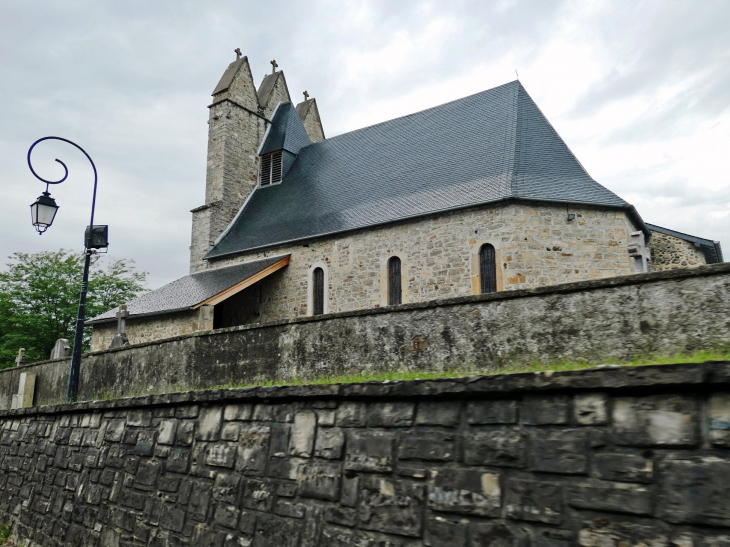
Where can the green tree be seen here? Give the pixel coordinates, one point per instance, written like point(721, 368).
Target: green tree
point(39, 299)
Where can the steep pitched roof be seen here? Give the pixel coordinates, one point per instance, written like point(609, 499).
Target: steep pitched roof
point(230, 73)
point(286, 131)
point(189, 291)
point(267, 87)
point(491, 146)
point(710, 248)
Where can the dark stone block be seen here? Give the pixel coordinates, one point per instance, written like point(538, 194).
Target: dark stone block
point(274, 531)
point(466, 491)
point(501, 447)
point(351, 414)
point(442, 532)
point(620, 498)
point(205, 537)
point(339, 537)
point(321, 480)
point(341, 515)
point(657, 420)
point(443, 413)
point(148, 472)
point(559, 451)
point(427, 446)
point(227, 516)
point(178, 460)
point(491, 412)
point(545, 409)
point(258, 495)
point(534, 501)
point(329, 444)
point(349, 491)
point(695, 490)
point(199, 500)
point(392, 506)
point(132, 499)
point(288, 509)
point(390, 414)
point(606, 530)
point(253, 449)
point(623, 467)
point(279, 443)
point(497, 534)
point(369, 451)
point(225, 488)
point(184, 434)
point(145, 443)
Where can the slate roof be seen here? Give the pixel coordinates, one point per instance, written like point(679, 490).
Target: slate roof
point(491, 146)
point(711, 249)
point(189, 291)
point(286, 131)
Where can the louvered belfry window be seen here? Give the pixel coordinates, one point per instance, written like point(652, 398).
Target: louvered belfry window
point(318, 291)
point(488, 268)
point(395, 294)
point(271, 168)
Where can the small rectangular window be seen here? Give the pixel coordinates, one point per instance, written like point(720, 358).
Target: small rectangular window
point(271, 168)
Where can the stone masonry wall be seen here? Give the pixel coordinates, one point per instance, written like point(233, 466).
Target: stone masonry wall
point(605, 457)
point(536, 246)
point(616, 319)
point(669, 253)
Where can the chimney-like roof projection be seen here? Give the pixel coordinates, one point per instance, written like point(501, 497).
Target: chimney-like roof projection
point(489, 147)
point(286, 131)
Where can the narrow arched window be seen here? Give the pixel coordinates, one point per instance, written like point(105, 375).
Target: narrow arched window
point(395, 293)
point(318, 291)
point(488, 268)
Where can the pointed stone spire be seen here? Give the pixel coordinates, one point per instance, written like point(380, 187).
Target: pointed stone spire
point(273, 90)
point(309, 114)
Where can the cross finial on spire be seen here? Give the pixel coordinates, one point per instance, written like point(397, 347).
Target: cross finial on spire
point(238, 53)
point(306, 96)
point(516, 74)
point(274, 65)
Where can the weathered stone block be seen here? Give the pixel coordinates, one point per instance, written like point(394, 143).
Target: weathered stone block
point(286, 468)
point(341, 515)
point(238, 412)
point(466, 491)
point(718, 413)
point(502, 447)
point(184, 435)
point(147, 473)
point(339, 537)
point(695, 490)
point(498, 534)
point(534, 501)
point(443, 532)
point(302, 438)
point(139, 418)
point(253, 448)
point(390, 414)
point(221, 455)
point(607, 531)
point(320, 480)
point(657, 420)
point(227, 516)
point(288, 509)
point(330, 443)
point(591, 409)
point(369, 451)
point(225, 487)
point(145, 443)
point(559, 451)
point(491, 412)
point(209, 424)
point(279, 444)
point(114, 431)
point(391, 506)
point(258, 495)
point(272, 531)
point(545, 409)
point(623, 467)
point(436, 446)
point(167, 430)
point(178, 461)
point(615, 497)
point(231, 432)
point(443, 413)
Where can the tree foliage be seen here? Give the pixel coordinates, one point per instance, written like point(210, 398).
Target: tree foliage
point(39, 299)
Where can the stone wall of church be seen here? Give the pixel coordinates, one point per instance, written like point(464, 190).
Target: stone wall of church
point(156, 327)
point(670, 253)
point(535, 245)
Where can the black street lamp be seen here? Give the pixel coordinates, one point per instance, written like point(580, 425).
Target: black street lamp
point(43, 211)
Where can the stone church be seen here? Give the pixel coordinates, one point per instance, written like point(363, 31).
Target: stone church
point(474, 196)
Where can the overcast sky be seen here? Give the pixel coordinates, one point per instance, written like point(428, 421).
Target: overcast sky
point(640, 91)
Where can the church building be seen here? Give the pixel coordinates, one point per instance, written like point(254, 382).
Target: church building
point(477, 195)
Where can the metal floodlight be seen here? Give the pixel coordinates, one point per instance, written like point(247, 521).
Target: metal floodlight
point(99, 238)
point(43, 211)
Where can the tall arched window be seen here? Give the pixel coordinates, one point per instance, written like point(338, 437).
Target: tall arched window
point(318, 291)
point(488, 268)
point(395, 293)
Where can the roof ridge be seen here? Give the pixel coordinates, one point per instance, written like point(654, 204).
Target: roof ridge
point(330, 139)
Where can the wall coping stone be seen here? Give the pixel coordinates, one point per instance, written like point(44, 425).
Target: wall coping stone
point(603, 378)
point(562, 288)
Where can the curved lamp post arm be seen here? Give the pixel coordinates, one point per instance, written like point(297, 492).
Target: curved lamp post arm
point(65, 174)
point(73, 378)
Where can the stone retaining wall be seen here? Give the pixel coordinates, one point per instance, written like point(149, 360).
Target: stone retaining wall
point(602, 457)
point(662, 313)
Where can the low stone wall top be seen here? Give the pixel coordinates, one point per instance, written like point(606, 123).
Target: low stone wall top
point(604, 457)
point(662, 313)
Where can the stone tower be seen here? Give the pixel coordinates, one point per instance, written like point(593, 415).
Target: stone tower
point(238, 119)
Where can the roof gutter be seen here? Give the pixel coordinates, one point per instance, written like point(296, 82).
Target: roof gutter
point(631, 212)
